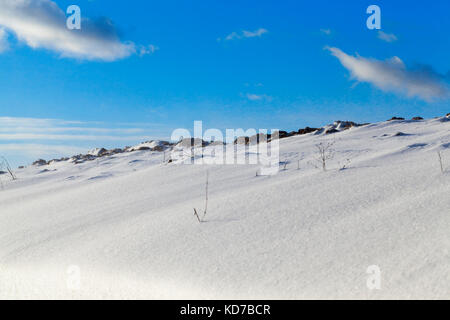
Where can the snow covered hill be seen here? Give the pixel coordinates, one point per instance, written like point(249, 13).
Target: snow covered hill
point(124, 222)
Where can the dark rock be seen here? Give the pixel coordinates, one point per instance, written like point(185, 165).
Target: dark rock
point(344, 125)
point(396, 118)
point(217, 143)
point(88, 157)
point(114, 151)
point(417, 118)
point(192, 142)
point(306, 130)
point(159, 148)
point(242, 140)
point(259, 138)
point(102, 152)
point(331, 130)
point(53, 161)
point(40, 162)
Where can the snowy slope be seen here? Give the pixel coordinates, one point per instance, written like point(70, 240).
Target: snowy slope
point(127, 222)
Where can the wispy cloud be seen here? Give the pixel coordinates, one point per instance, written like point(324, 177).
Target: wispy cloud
point(388, 37)
point(26, 139)
point(54, 129)
point(245, 34)
point(326, 31)
point(42, 24)
point(150, 49)
point(252, 34)
point(392, 75)
point(67, 137)
point(258, 97)
point(35, 151)
point(256, 85)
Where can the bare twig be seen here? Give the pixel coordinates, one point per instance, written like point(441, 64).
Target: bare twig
point(196, 214)
point(440, 161)
point(325, 152)
point(5, 164)
point(206, 201)
point(206, 195)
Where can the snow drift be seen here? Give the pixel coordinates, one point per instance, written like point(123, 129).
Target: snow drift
point(122, 226)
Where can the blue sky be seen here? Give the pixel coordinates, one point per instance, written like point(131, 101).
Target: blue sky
point(137, 70)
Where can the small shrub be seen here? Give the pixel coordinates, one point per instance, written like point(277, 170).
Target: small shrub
point(325, 153)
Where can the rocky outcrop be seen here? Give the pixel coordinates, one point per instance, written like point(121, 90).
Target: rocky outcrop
point(152, 145)
point(161, 146)
point(331, 130)
point(98, 152)
point(192, 143)
point(40, 162)
point(338, 126)
point(307, 130)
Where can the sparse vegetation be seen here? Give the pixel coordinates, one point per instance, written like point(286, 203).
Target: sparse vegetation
point(4, 165)
point(346, 164)
point(325, 152)
point(5, 169)
point(439, 153)
point(196, 214)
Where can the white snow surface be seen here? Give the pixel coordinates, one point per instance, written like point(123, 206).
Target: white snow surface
point(126, 221)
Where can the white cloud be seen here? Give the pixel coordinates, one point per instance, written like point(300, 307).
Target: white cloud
point(245, 34)
point(388, 37)
point(150, 49)
point(258, 97)
point(42, 24)
point(392, 75)
point(326, 31)
point(252, 34)
point(3, 40)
